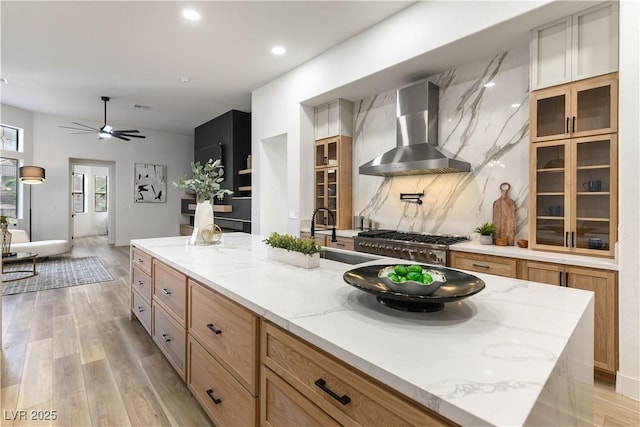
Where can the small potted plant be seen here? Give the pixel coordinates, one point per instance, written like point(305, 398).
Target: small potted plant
point(486, 231)
point(292, 250)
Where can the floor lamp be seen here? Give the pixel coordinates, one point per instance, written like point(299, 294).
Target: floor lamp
point(31, 175)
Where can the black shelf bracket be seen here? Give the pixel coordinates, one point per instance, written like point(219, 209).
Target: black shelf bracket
point(412, 197)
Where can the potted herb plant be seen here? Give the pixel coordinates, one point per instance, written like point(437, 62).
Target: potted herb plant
point(205, 183)
point(297, 251)
point(486, 231)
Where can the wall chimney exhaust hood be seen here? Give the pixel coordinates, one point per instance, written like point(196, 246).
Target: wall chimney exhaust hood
point(416, 138)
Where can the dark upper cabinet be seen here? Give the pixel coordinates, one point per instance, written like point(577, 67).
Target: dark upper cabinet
point(228, 136)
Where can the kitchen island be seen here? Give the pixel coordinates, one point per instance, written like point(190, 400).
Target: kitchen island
point(517, 353)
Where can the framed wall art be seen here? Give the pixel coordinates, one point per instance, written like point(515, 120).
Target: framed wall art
point(150, 183)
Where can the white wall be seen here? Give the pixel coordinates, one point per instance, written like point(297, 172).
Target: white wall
point(90, 222)
point(629, 189)
point(423, 27)
point(54, 146)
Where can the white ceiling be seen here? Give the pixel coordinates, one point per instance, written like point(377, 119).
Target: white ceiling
point(61, 57)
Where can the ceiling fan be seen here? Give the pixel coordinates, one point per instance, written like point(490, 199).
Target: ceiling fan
point(106, 131)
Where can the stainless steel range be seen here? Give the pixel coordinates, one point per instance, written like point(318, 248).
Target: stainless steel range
point(427, 248)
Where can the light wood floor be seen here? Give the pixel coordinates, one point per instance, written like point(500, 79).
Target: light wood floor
point(75, 351)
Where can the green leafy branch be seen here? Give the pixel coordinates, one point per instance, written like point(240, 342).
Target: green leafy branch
point(206, 180)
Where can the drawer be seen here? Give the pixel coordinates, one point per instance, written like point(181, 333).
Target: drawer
point(341, 391)
point(223, 398)
point(342, 243)
point(170, 337)
point(282, 405)
point(170, 289)
point(141, 283)
point(227, 331)
point(485, 264)
point(142, 310)
point(141, 259)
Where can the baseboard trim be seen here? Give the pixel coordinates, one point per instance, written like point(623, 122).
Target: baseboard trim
point(628, 386)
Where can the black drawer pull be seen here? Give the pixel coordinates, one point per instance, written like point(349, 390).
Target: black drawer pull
point(214, 330)
point(567, 126)
point(140, 260)
point(560, 278)
point(344, 399)
point(216, 401)
point(140, 282)
point(166, 291)
point(140, 309)
point(166, 339)
point(481, 266)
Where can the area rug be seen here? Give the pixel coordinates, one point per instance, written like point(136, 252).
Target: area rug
point(54, 273)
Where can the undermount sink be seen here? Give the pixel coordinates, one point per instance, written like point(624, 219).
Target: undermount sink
point(347, 258)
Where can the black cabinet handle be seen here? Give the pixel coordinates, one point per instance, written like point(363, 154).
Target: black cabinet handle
point(566, 279)
point(166, 339)
point(481, 266)
point(573, 239)
point(215, 400)
point(214, 330)
point(567, 126)
point(560, 278)
point(166, 291)
point(573, 124)
point(344, 399)
point(140, 309)
point(566, 239)
point(140, 260)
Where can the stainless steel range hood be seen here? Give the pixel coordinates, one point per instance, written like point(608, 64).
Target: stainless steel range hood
point(417, 138)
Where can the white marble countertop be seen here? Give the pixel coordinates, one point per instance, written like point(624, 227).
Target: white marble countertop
point(533, 255)
point(480, 361)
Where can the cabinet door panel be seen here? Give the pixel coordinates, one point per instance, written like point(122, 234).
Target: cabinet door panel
point(603, 285)
point(170, 288)
point(550, 58)
point(595, 41)
point(282, 405)
point(550, 109)
point(550, 274)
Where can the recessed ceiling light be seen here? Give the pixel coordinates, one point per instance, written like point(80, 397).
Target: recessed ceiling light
point(489, 84)
point(185, 79)
point(278, 50)
point(191, 14)
point(4, 80)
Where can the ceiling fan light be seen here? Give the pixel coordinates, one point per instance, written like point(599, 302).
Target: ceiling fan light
point(104, 134)
point(107, 128)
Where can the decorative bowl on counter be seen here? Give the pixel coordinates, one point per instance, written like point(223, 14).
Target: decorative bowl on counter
point(455, 286)
point(411, 287)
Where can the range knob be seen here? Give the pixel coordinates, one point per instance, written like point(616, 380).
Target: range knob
point(432, 256)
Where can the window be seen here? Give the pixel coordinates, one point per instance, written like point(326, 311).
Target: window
point(78, 193)
point(100, 193)
point(10, 144)
point(9, 187)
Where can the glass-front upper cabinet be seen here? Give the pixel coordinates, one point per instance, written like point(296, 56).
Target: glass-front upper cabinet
point(583, 108)
point(595, 187)
point(573, 194)
point(550, 202)
point(327, 152)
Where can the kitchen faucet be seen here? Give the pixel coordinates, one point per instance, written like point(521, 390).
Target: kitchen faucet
point(333, 220)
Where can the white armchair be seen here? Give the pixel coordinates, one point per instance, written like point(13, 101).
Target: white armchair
point(44, 248)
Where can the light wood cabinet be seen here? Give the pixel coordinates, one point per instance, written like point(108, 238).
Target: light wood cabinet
point(575, 47)
point(605, 288)
point(332, 181)
point(345, 243)
point(342, 393)
point(223, 398)
point(227, 331)
point(141, 287)
point(333, 118)
point(500, 266)
point(584, 108)
point(170, 336)
point(574, 195)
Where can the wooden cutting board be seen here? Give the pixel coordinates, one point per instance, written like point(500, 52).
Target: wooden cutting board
point(504, 215)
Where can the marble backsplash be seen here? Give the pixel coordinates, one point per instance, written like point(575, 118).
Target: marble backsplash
point(485, 125)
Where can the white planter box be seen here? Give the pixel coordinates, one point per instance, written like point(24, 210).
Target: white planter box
point(294, 258)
